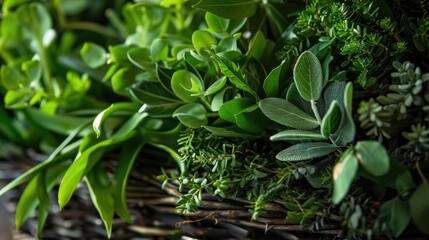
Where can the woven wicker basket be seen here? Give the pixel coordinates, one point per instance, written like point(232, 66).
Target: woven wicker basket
point(154, 215)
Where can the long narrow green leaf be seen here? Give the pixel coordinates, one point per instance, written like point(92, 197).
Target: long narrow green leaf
point(89, 157)
point(287, 114)
point(54, 158)
point(332, 119)
point(306, 151)
point(232, 71)
point(229, 9)
point(100, 191)
point(297, 135)
point(128, 155)
point(43, 196)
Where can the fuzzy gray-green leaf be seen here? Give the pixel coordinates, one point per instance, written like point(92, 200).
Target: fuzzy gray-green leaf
point(285, 113)
point(308, 76)
point(306, 151)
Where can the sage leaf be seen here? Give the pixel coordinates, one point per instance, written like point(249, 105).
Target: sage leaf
point(344, 173)
point(331, 121)
point(192, 115)
point(229, 9)
point(285, 113)
point(296, 135)
point(306, 151)
point(419, 207)
point(396, 214)
point(93, 55)
point(308, 76)
point(373, 157)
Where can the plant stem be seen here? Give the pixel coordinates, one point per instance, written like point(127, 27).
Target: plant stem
point(315, 111)
point(319, 120)
point(90, 26)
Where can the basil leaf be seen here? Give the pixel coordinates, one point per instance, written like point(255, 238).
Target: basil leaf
point(331, 121)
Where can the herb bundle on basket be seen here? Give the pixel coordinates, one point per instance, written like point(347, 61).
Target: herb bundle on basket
point(306, 117)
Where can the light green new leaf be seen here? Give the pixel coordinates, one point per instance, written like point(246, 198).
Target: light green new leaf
point(159, 50)
point(100, 191)
point(87, 158)
point(93, 55)
point(308, 76)
point(396, 214)
point(419, 207)
point(202, 39)
point(216, 23)
point(332, 119)
point(122, 80)
point(185, 85)
point(216, 86)
point(271, 82)
point(344, 173)
point(373, 157)
point(230, 9)
point(102, 116)
point(306, 151)
point(192, 115)
point(285, 113)
point(297, 135)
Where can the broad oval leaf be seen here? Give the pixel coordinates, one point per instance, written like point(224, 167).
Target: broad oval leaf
point(373, 157)
point(308, 76)
point(297, 135)
point(192, 115)
point(229, 9)
point(332, 119)
point(285, 113)
point(419, 207)
point(185, 84)
point(344, 173)
point(229, 109)
point(306, 151)
point(216, 23)
point(202, 39)
point(396, 214)
point(121, 80)
point(93, 55)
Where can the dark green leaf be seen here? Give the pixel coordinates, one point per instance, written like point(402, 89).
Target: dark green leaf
point(229, 9)
point(395, 213)
point(229, 109)
point(373, 157)
point(331, 121)
point(272, 81)
point(233, 72)
point(308, 76)
point(419, 207)
point(306, 151)
point(287, 114)
point(344, 173)
point(192, 115)
point(296, 135)
point(94, 55)
point(232, 131)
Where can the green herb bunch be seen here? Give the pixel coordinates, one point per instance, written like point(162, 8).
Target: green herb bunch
point(250, 99)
